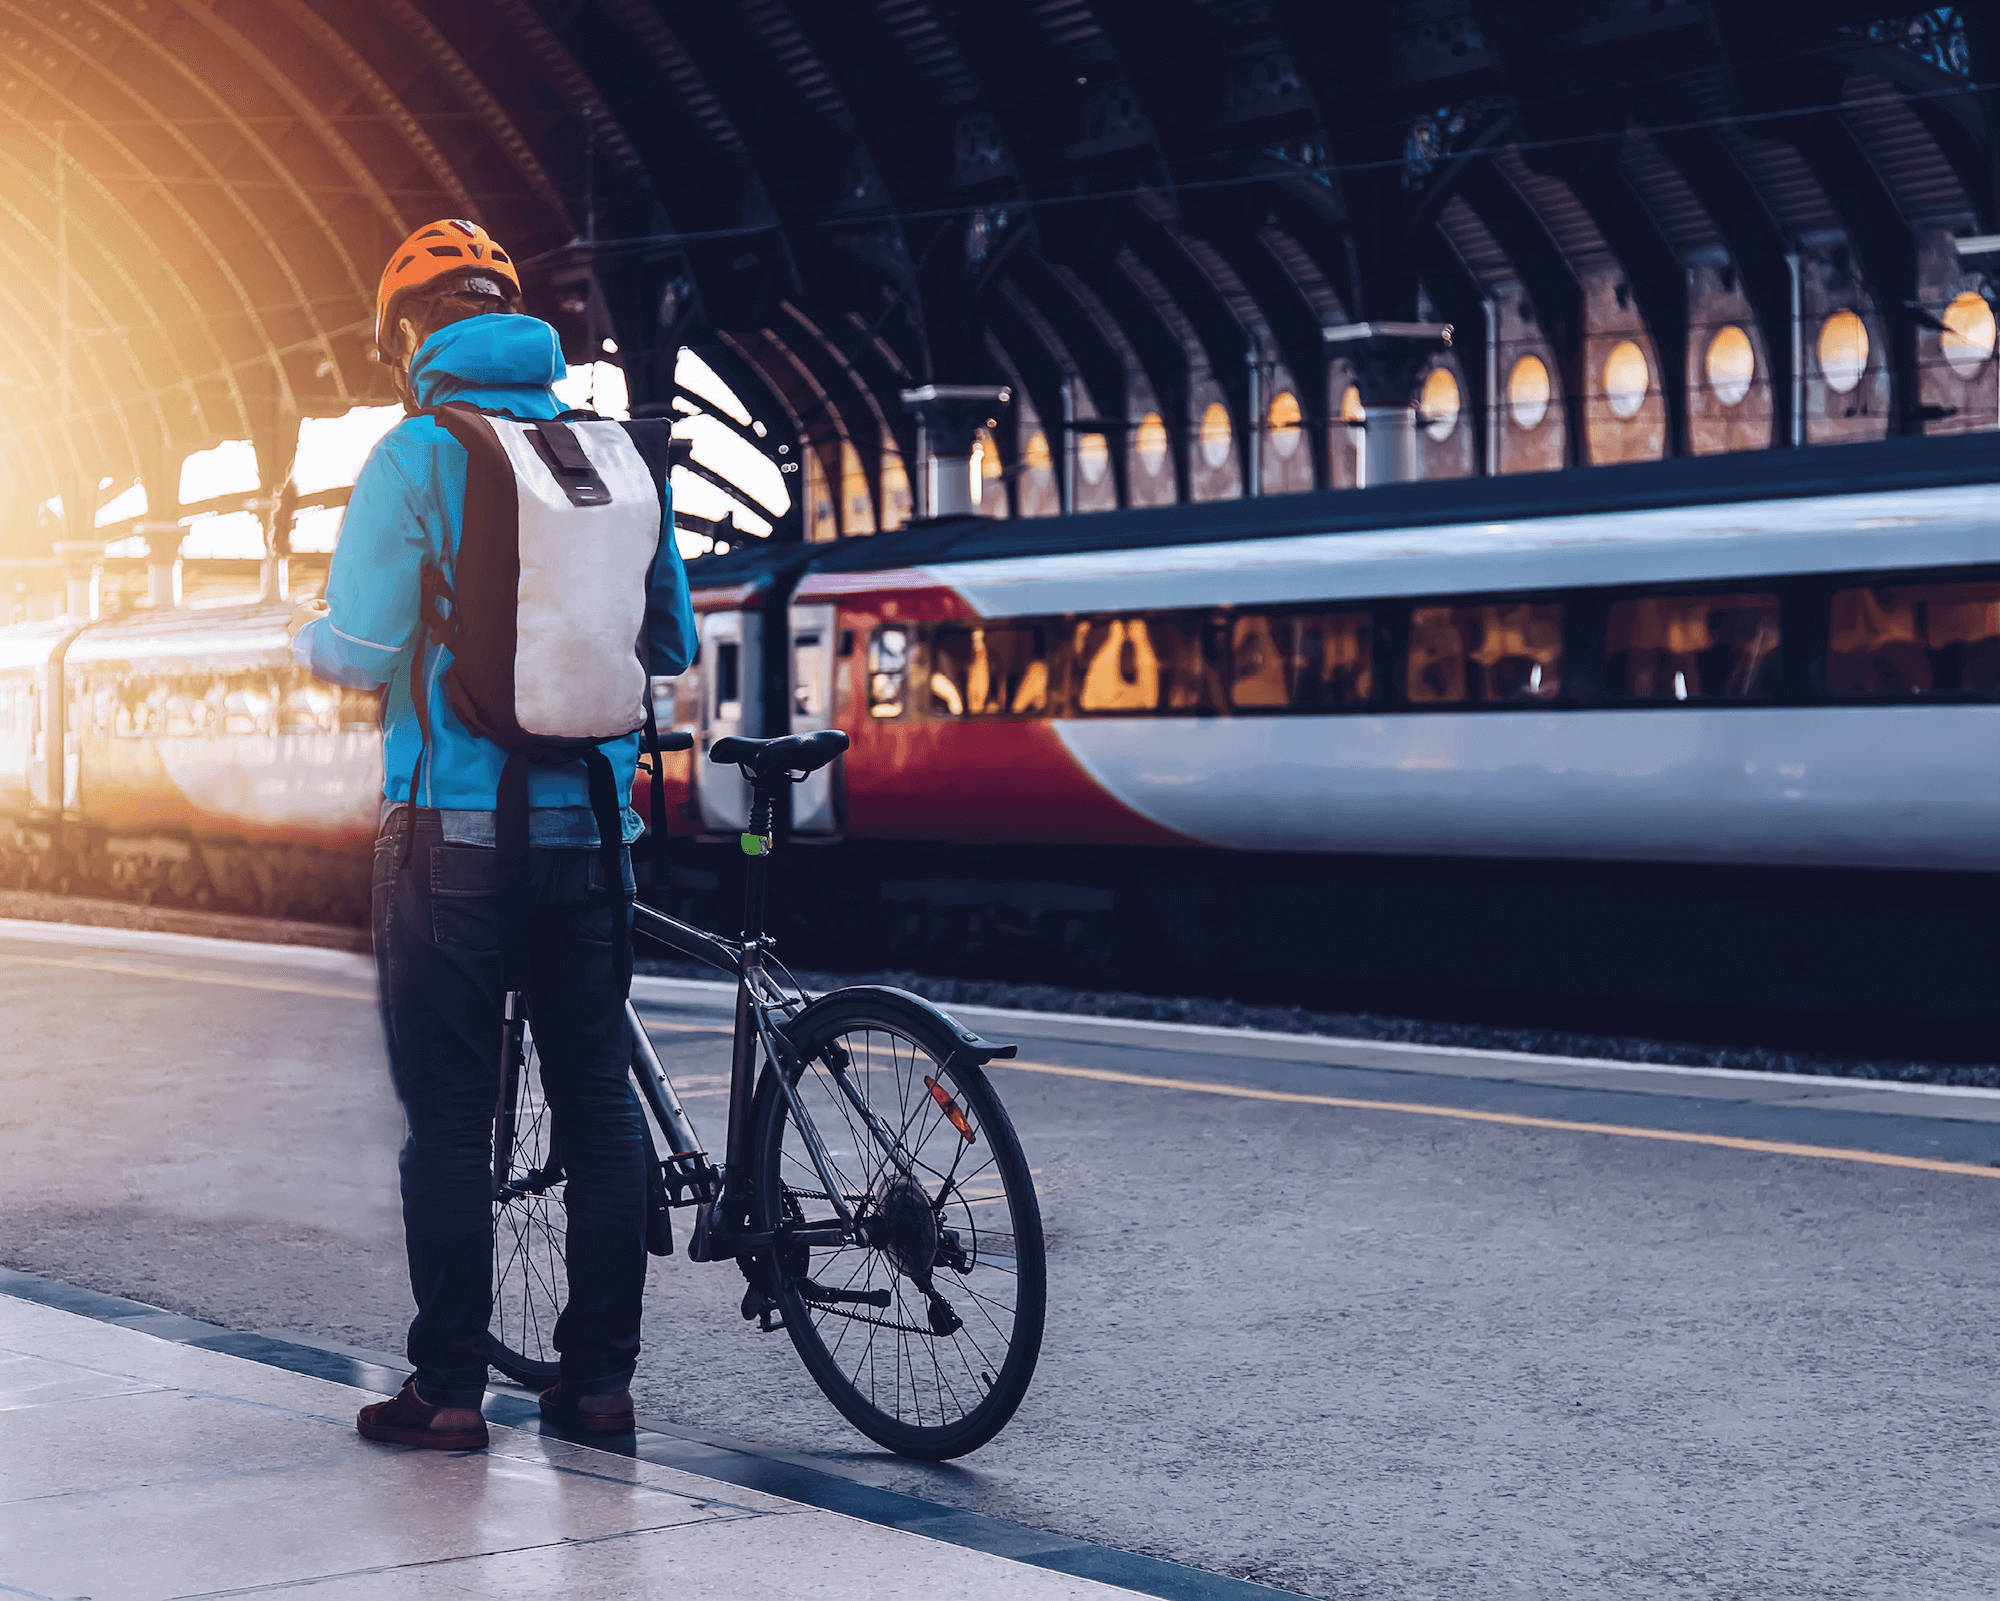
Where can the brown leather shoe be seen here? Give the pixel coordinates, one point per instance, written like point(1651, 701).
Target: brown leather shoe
point(405, 1419)
point(589, 1414)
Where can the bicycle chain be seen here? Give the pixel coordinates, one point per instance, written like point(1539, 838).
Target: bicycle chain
point(855, 1317)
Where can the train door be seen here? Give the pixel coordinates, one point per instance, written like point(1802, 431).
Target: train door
point(811, 702)
point(731, 690)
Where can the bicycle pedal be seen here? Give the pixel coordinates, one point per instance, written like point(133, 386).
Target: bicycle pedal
point(766, 1324)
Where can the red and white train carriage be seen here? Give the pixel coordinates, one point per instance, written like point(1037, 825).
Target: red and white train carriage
point(1708, 727)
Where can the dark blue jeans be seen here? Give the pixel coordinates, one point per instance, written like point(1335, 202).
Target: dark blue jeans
point(436, 924)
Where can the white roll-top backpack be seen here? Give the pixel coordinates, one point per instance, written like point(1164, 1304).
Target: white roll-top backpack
point(545, 608)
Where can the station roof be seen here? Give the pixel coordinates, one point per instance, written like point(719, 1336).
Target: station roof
point(837, 200)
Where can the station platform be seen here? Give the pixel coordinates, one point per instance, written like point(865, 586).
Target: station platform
point(139, 1468)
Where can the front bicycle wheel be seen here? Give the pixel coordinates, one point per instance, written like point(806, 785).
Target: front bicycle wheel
point(926, 1335)
point(530, 1278)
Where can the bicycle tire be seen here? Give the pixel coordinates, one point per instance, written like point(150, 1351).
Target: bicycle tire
point(530, 1276)
point(946, 1391)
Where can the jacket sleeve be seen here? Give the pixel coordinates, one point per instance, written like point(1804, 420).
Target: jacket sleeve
point(670, 625)
point(374, 584)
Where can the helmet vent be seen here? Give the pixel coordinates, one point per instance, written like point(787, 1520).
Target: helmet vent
point(446, 250)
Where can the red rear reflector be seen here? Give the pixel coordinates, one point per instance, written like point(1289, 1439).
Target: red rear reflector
point(959, 1120)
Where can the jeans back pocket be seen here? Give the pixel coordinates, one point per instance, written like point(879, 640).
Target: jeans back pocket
point(465, 897)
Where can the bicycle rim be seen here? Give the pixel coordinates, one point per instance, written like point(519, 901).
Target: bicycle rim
point(530, 1280)
point(903, 1373)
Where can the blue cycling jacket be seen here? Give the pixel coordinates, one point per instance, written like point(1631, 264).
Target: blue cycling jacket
point(406, 511)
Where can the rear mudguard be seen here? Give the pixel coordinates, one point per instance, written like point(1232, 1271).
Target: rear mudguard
point(972, 1050)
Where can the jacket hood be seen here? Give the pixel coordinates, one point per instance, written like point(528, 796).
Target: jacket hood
point(492, 352)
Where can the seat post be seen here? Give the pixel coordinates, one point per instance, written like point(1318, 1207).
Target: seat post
point(756, 842)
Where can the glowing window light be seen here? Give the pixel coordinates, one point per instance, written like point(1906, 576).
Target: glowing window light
point(1439, 404)
point(1038, 456)
point(1149, 443)
point(1093, 457)
point(229, 469)
point(333, 449)
point(1967, 339)
point(1528, 393)
point(1626, 379)
point(1843, 350)
point(1281, 422)
point(1351, 409)
point(736, 459)
point(1215, 434)
point(698, 378)
point(1731, 364)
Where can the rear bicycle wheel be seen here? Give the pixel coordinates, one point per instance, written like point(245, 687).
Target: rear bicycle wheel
point(530, 1276)
point(926, 1336)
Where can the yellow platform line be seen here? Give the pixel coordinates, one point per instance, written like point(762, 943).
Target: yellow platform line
point(189, 975)
point(1728, 1142)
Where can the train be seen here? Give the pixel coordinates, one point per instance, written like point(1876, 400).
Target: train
point(1691, 745)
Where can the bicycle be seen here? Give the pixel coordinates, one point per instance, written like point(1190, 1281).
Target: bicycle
point(916, 1219)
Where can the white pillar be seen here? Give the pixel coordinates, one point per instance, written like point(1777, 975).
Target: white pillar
point(1389, 445)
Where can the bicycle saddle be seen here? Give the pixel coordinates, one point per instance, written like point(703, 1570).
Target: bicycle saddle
point(769, 759)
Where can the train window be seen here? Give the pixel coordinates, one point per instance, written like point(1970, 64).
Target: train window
point(888, 669)
point(1507, 652)
point(806, 696)
point(1914, 639)
point(989, 672)
point(1121, 672)
point(1189, 651)
point(1692, 647)
point(728, 688)
point(1320, 659)
point(1333, 659)
point(309, 707)
point(249, 704)
point(360, 710)
point(1259, 659)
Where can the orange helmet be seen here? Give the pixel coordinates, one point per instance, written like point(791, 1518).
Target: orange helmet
point(435, 253)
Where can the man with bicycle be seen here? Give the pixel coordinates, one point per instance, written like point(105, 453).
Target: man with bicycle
point(450, 326)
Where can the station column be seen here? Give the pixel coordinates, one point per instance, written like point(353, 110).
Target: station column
point(1389, 360)
point(952, 415)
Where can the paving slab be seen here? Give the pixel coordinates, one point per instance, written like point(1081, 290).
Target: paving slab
point(138, 1468)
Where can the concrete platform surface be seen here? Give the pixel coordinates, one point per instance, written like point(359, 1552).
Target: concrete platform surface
point(136, 1469)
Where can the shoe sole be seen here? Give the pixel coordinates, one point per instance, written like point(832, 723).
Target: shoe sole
point(425, 1439)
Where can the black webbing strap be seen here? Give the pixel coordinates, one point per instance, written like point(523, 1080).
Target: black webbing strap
point(656, 798)
point(610, 814)
point(420, 700)
point(510, 845)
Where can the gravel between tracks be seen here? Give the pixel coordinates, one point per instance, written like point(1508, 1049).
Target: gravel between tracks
point(1104, 1003)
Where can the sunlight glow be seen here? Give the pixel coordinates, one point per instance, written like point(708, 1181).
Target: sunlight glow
point(236, 535)
point(736, 459)
point(599, 387)
point(698, 378)
point(229, 469)
point(332, 449)
point(315, 529)
point(122, 507)
point(699, 498)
